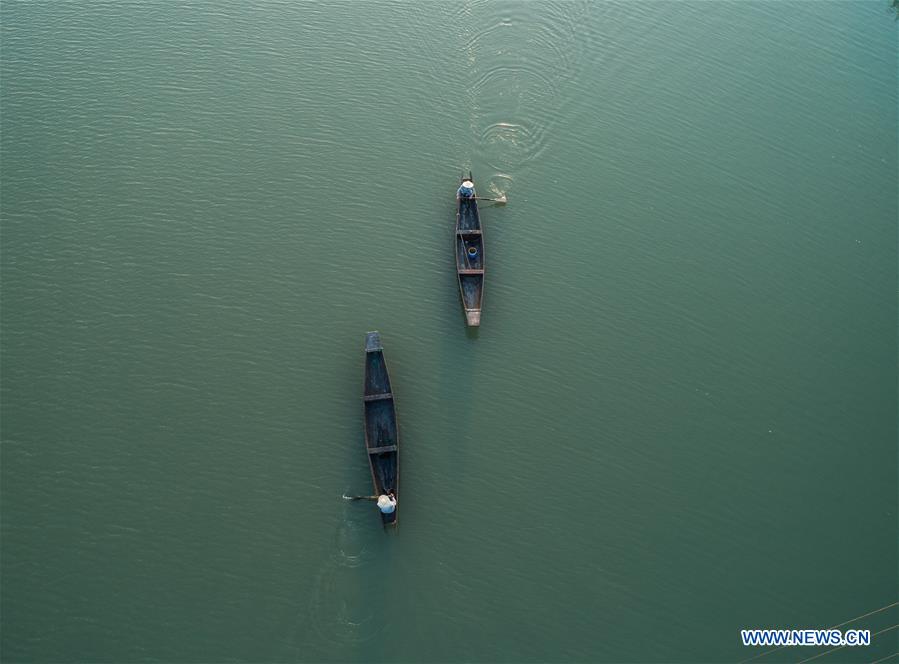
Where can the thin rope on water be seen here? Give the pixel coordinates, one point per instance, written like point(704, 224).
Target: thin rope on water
point(768, 652)
point(883, 659)
point(841, 647)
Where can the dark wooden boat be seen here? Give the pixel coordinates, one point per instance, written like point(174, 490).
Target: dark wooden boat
point(469, 242)
point(381, 433)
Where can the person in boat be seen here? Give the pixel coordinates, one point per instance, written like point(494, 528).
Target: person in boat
point(466, 190)
point(387, 502)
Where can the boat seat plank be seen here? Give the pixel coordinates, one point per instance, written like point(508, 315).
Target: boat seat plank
point(469, 232)
point(377, 397)
point(381, 450)
point(472, 270)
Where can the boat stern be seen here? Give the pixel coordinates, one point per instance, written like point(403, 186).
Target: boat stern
point(473, 317)
point(389, 520)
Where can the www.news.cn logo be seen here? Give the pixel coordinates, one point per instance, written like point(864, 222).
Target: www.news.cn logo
point(805, 637)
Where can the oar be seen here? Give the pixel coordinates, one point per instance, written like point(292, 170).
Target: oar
point(495, 200)
point(345, 497)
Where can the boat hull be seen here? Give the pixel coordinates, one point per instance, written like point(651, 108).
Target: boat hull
point(469, 257)
point(380, 425)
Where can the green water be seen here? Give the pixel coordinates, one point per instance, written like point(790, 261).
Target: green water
point(678, 418)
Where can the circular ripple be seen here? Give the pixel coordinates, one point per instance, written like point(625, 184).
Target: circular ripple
point(514, 83)
point(498, 185)
point(509, 145)
point(519, 60)
point(340, 610)
point(351, 547)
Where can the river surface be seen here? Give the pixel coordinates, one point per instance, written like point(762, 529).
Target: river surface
point(677, 420)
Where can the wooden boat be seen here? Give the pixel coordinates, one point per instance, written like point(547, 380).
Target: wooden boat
point(469, 251)
point(381, 433)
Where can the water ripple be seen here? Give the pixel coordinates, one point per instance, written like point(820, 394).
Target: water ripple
point(338, 613)
point(339, 609)
point(520, 62)
point(511, 143)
